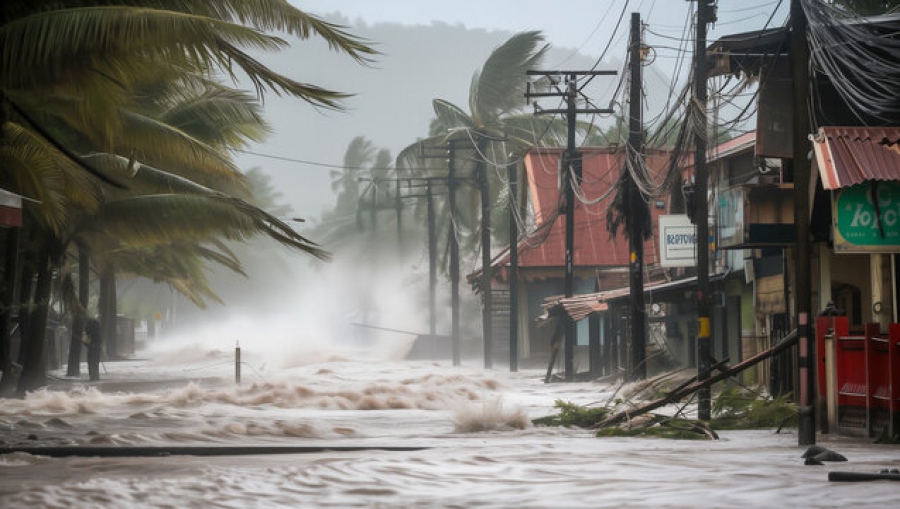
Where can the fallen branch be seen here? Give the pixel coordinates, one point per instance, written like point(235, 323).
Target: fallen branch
point(677, 394)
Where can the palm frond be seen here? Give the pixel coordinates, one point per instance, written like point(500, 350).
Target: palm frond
point(499, 88)
point(450, 116)
point(48, 46)
point(264, 78)
point(220, 117)
point(279, 15)
point(53, 185)
point(160, 144)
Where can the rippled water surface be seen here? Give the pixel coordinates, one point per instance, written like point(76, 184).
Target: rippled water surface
point(477, 447)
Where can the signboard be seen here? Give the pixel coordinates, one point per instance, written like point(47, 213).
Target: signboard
point(10, 209)
point(677, 241)
point(867, 218)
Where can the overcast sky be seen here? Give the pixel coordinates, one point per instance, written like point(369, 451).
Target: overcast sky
point(306, 142)
point(582, 24)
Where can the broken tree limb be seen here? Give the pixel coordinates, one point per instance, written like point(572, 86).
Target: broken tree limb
point(678, 394)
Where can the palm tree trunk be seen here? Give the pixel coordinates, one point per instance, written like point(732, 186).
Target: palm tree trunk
point(108, 312)
point(8, 295)
point(84, 274)
point(34, 369)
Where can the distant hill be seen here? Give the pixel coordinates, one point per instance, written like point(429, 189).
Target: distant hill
point(392, 101)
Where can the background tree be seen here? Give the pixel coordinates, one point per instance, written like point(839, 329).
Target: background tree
point(495, 132)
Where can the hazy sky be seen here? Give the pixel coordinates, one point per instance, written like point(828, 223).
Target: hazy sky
point(393, 102)
point(582, 24)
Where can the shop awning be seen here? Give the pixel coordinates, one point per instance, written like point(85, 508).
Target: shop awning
point(847, 156)
point(579, 307)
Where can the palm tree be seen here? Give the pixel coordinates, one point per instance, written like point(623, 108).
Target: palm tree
point(93, 57)
point(345, 182)
point(496, 130)
point(366, 164)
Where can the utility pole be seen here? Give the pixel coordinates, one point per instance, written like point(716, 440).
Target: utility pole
point(513, 270)
point(571, 173)
point(428, 183)
point(486, 272)
point(432, 264)
point(701, 214)
point(806, 426)
point(399, 207)
point(374, 203)
point(454, 254)
point(637, 207)
point(453, 240)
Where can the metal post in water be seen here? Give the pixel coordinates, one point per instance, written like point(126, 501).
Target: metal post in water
point(237, 362)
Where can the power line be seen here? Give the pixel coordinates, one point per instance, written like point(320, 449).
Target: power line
point(321, 164)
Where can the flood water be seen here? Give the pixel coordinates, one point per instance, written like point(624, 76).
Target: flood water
point(466, 436)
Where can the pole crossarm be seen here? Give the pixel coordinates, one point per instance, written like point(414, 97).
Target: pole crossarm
point(587, 111)
point(535, 72)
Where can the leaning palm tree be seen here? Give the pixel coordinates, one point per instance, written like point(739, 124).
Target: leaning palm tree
point(89, 58)
point(494, 132)
point(196, 121)
point(494, 128)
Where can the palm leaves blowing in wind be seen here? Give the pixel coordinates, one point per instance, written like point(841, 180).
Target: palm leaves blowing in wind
point(116, 128)
point(495, 132)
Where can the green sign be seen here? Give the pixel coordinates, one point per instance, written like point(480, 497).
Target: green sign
point(861, 226)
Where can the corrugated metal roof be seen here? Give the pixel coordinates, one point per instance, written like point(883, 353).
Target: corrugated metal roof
point(848, 156)
point(593, 245)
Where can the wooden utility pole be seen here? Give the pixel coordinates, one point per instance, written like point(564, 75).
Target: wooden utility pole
point(571, 176)
point(806, 427)
point(373, 212)
point(432, 244)
point(701, 210)
point(487, 306)
point(453, 241)
point(432, 264)
point(399, 209)
point(637, 208)
point(513, 269)
point(454, 254)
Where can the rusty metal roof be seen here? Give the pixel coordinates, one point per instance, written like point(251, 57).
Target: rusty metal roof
point(848, 156)
point(594, 247)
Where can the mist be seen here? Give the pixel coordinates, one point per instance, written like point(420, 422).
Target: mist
point(391, 103)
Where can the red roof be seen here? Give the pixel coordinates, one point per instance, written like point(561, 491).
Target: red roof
point(850, 155)
point(594, 247)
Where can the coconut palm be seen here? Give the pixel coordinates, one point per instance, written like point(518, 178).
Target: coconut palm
point(345, 182)
point(86, 61)
point(493, 133)
point(359, 185)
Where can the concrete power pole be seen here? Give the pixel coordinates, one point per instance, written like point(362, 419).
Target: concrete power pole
point(701, 210)
point(637, 208)
point(513, 270)
point(454, 254)
point(486, 271)
point(806, 427)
